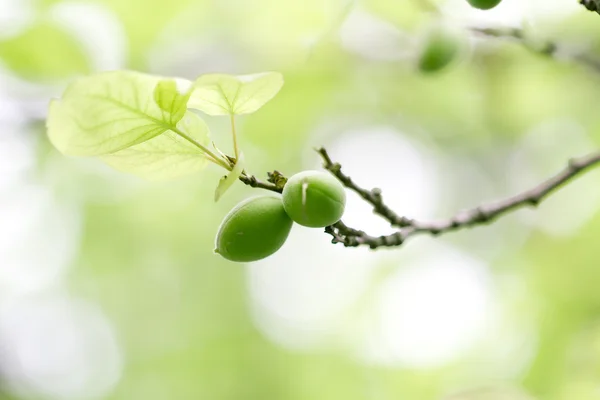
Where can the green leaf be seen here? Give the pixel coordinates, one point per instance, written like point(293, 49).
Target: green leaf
point(108, 112)
point(171, 100)
point(222, 94)
point(166, 156)
point(227, 181)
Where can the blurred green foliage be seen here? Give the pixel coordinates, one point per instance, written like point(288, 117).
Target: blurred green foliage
point(44, 52)
point(184, 317)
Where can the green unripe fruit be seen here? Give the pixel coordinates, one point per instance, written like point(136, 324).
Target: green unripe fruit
point(254, 229)
point(314, 199)
point(440, 48)
point(484, 4)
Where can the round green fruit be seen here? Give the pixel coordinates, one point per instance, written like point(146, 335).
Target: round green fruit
point(439, 49)
point(314, 199)
point(254, 229)
point(484, 4)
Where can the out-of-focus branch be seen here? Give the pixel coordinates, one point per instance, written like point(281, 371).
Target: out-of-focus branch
point(546, 48)
point(592, 5)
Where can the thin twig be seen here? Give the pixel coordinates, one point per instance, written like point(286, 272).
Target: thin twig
point(252, 181)
point(546, 48)
point(480, 215)
point(488, 212)
point(372, 196)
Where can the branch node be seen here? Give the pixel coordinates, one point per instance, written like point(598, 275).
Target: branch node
point(481, 216)
point(277, 179)
point(572, 163)
point(335, 168)
point(351, 242)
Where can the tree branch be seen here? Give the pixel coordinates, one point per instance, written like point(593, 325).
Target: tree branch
point(479, 215)
point(592, 5)
point(546, 48)
point(372, 196)
point(252, 181)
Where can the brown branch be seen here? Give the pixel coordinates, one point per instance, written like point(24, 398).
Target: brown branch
point(480, 215)
point(351, 237)
point(546, 47)
point(252, 181)
point(488, 212)
point(372, 196)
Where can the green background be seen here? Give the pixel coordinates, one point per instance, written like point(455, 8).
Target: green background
point(109, 287)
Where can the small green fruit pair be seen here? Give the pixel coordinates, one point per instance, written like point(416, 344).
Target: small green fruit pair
point(258, 227)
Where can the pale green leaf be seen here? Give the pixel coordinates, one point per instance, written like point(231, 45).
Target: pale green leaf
point(168, 155)
point(227, 181)
point(107, 112)
point(169, 98)
point(222, 94)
